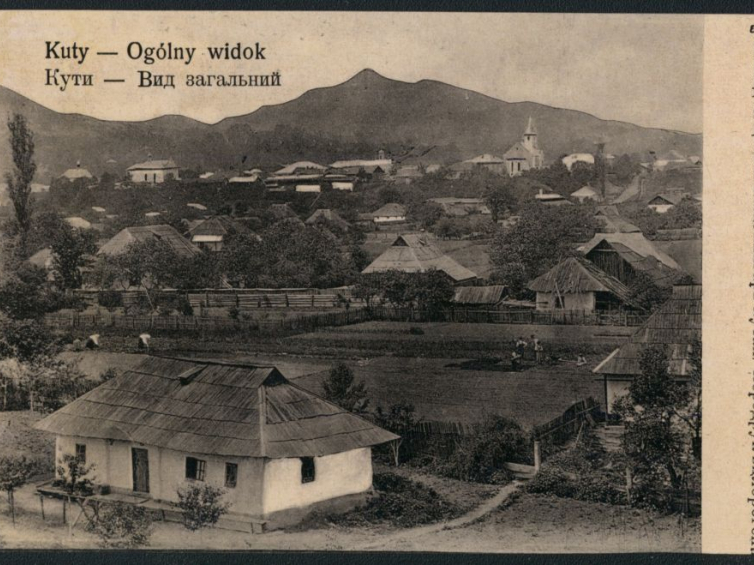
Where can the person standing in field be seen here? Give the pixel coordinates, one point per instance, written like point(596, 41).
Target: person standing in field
point(521, 347)
point(538, 349)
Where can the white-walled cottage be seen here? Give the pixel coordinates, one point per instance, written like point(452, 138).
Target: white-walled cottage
point(278, 451)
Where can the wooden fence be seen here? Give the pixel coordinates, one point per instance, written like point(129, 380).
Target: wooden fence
point(566, 426)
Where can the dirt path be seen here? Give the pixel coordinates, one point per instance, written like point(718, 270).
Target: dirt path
point(414, 533)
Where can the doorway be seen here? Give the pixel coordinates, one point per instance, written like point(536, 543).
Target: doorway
point(140, 465)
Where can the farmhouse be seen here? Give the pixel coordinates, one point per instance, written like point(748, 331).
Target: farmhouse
point(153, 172)
point(577, 284)
point(675, 326)
point(389, 213)
point(551, 198)
point(413, 253)
point(77, 173)
point(301, 168)
point(624, 254)
point(460, 207)
point(586, 193)
point(524, 154)
point(212, 233)
point(327, 217)
point(665, 201)
point(279, 451)
point(490, 162)
point(120, 241)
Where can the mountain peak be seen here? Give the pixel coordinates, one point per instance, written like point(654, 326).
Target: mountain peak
point(366, 75)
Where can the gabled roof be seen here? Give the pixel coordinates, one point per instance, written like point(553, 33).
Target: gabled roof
point(616, 224)
point(635, 242)
point(587, 191)
point(413, 253)
point(669, 197)
point(155, 165)
point(662, 275)
point(327, 216)
point(675, 325)
point(120, 241)
point(216, 226)
point(390, 210)
point(576, 275)
point(517, 151)
point(489, 295)
point(293, 167)
point(214, 408)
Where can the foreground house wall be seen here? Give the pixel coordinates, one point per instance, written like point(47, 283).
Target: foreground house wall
point(337, 475)
point(583, 301)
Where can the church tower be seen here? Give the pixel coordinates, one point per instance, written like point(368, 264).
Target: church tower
point(530, 136)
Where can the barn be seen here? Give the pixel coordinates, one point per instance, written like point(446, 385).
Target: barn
point(577, 284)
point(675, 326)
point(279, 451)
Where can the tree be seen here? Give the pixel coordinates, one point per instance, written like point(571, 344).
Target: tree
point(72, 475)
point(499, 200)
point(200, 505)
point(26, 294)
point(14, 472)
point(426, 214)
point(340, 388)
point(541, 238)
point(70, 249)
point(660, 416)
point(19, 181)
point(400, 419)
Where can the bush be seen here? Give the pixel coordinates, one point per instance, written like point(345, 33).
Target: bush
point(122, 526)
point(200, 505)
point(401, 502)
point(110, 299)
point(415, 330)
point(184, 306)
point(233, 312)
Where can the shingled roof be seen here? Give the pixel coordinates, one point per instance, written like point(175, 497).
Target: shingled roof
point(214, 408)
point(577, 275)
point(676, 325)
point(634, 241)
point(217, 226)
point(120, 241)
point(413, 253)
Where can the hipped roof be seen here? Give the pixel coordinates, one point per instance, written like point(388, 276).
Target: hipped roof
point(217, 225)
point(328, 216)
point(154, 165)
point(392, 209)
point(675, 326)
point(214, 408)
point(120, 241)
point(413, 253)
point(576, 275)
point(479, 294)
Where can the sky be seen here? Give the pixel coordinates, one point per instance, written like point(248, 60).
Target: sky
point(644, 69)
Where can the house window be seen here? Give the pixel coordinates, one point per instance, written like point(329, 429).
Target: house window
point(146, 177)
point(231, 475)
point(307, 469)
point(195, 468)
point(81, 453)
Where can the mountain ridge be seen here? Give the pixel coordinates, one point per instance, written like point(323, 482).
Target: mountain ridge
point(352, 119)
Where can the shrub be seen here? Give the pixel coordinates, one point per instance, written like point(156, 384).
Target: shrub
point(110, 299)
point(184, 306)
point(233, 312)
point(551, 480)
point(415, 330)
point(200, 505)
point(72, 475)
point(401, 502)
point(122, 526)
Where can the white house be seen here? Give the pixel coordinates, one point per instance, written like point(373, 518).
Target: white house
point(308, 188)
point(389, 213)
point(570, 160)
point(665, 201)
point(278, 450)
point(153, 172)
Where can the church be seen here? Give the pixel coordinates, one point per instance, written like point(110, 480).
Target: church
point(524, 154)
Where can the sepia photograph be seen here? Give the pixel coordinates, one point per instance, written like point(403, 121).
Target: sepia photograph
point(350, 281)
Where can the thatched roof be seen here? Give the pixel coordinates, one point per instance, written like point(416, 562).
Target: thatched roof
point(634, 241)
point(675, 325)
point(413, 253)
point(120, 241)
point(576, 275)
point(489, 295)
point(661, 275)
point(214, 408)
point(390, 210)
point(327, 216)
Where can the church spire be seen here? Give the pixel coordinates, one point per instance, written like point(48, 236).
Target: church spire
point(531, 129)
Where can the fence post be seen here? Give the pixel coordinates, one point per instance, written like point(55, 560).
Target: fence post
point(537, 456)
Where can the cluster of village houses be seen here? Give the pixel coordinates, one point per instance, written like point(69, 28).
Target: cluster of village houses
point(281, 451)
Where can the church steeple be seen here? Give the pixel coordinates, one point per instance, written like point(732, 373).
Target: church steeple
point(530, 135)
